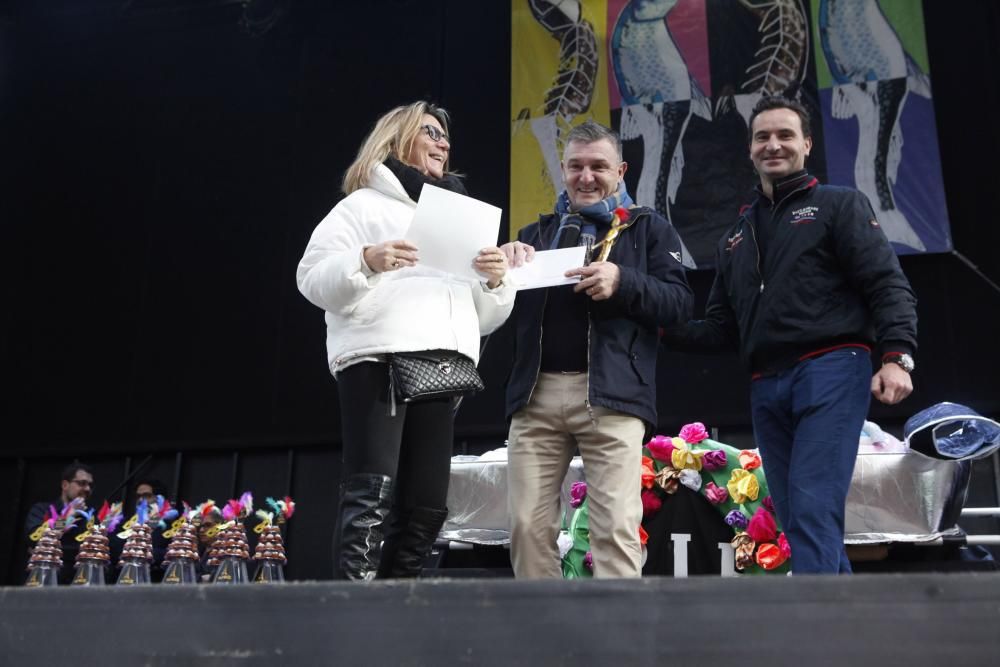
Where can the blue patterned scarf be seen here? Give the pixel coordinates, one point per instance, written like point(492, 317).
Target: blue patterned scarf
point(578, 228)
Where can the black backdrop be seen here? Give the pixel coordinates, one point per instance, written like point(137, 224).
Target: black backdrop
point(164, 165)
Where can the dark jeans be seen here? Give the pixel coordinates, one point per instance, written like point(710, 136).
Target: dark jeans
point(414, 447)
point(806, 422)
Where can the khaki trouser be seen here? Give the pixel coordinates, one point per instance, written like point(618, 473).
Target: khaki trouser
point(543, 436)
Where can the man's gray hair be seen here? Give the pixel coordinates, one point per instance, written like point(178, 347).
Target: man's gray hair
point(588, 132)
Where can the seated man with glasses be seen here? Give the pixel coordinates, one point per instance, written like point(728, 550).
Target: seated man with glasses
point(77, 482)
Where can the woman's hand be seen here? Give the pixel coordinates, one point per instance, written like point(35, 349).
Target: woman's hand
point(492, 263)
point(390, 255)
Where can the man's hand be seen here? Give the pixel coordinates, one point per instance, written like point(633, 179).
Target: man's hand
point(891, 384)
point(599, 279)
point(517, 253)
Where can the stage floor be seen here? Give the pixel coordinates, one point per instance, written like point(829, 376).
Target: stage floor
point(860, 620)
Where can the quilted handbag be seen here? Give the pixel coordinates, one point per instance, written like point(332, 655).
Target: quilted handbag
point(418, 376)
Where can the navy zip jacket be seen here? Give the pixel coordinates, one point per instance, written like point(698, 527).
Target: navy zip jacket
point(829, 278)
point(624, 330)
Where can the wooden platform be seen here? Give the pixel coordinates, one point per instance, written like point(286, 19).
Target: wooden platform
point(860, 620)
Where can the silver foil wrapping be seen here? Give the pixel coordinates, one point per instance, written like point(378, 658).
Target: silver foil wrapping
point(477, 499)
point(904, 498)
point(894, 497)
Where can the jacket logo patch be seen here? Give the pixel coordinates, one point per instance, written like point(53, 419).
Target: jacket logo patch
point(734, 241)
point(676, 255)
point(804, 215)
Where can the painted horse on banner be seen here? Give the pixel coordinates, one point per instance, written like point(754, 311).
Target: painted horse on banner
point(658, 98)
point(873, 75)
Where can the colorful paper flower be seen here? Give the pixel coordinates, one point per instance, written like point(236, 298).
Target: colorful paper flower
point(737, 520)
point(716, 494)
point(623, 213)
point(714, 459)
point(694, 432)
point(769, 556)
point(588, 561)
point(744, 546)
point(667, 479)
point(691, 479)
point(768, 502)
point(643, 535)
point(577, 493)
point(565, 543)
point(651, 502)
point(648, 473)
point(762, 527)
point(683, 458)
point(749, 459)
point(660, 448)
point(785, 547)
point(743, 486)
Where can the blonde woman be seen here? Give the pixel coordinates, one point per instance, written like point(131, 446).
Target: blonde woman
point(380, 300)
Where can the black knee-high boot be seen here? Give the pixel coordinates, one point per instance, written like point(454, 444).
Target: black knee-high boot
point(409, 540)
point(357, 539)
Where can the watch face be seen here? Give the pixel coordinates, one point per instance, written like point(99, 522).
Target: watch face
point(904, 361)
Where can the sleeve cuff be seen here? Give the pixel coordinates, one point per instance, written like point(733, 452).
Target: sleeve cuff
point(895, 347)
point(365, 269)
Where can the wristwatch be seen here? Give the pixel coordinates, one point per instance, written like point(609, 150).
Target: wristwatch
point(902, 360)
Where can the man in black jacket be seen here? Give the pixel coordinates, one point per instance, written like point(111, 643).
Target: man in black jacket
point(77, 483)
point(806, 286)
point(585, 364)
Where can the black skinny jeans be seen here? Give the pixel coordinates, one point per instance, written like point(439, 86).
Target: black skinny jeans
point(414, 448)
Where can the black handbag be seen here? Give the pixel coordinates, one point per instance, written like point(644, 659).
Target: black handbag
point(419, 376)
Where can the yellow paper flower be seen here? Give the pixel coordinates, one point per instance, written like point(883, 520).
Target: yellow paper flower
point(742, 486)
point(683, 458)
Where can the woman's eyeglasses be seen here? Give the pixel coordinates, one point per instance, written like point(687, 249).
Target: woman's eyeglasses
point(434, 133)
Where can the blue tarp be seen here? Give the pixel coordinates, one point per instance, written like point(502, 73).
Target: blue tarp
point(952, 431)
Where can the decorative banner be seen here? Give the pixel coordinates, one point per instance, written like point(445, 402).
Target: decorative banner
point(678, 79)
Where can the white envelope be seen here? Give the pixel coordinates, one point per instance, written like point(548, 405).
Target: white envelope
point(547, 268)
point(450, 229)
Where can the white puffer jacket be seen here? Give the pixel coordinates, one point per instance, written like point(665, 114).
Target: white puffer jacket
point(414, 308)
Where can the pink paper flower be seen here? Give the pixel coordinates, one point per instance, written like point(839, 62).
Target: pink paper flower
point(577, 493)
point(660, 448)
point(693, 433)
point(716, 494)
point(785, 547)
point(769, 504)
point(762, 527)
point(714, 460)
point(651, 502)
point(588, 561)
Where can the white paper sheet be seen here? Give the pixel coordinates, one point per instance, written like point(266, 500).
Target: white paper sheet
point(450, 229)
point(547, 268)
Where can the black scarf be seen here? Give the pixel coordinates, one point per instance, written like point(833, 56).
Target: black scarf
point(413, 181)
